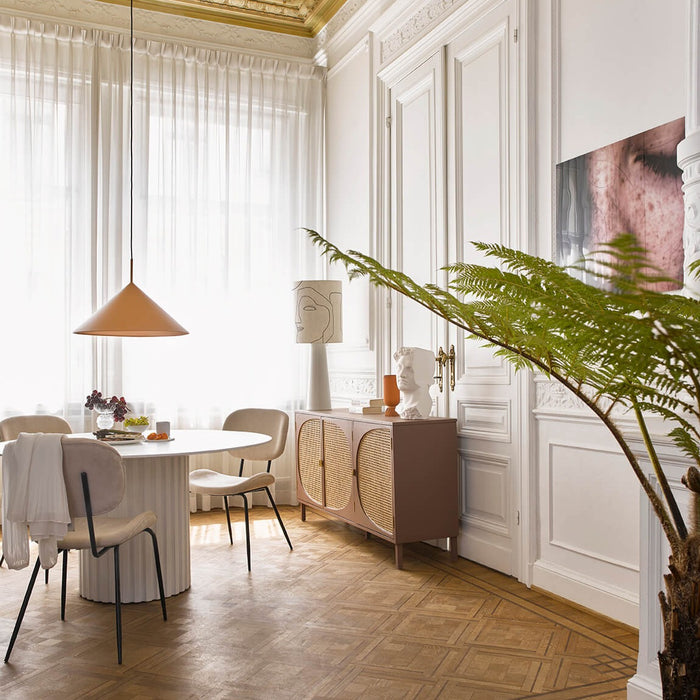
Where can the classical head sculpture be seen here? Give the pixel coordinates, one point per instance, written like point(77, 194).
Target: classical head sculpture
point(414, 374)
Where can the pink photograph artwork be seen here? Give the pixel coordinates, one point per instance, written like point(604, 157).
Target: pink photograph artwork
point(631, 186)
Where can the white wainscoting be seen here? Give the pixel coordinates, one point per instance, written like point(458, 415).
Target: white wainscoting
point(588, 535)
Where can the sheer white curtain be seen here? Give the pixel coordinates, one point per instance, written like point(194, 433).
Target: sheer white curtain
point(227, 166)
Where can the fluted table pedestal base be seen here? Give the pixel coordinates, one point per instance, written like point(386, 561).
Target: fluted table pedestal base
point(159, 484)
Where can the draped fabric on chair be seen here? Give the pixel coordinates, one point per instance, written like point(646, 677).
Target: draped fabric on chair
point(227, 166)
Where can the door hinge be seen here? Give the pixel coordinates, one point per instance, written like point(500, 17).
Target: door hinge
point(515, 36)
point(517, 517)
point(387, 122)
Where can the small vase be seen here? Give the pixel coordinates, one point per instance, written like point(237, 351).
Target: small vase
point(392, 396)
point(105, 418)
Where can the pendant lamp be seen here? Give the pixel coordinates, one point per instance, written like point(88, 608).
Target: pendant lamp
point(131, 312)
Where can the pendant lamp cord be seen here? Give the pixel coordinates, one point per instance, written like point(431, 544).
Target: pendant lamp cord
point(131, 146)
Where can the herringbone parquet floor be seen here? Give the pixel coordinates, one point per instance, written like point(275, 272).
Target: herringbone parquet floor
point(332, 619)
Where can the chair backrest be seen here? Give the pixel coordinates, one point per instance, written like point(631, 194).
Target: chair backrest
point(268, 421)
point(103, 466)
point(11, 427)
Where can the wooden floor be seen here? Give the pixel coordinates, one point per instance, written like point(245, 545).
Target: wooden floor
point(332, 619)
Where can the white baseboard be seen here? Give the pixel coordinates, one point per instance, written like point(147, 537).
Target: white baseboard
point(613, 602)
point(639, 688)
point(485, 553)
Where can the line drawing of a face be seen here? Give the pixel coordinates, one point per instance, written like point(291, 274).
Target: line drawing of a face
point(316, 315)
point(313, 316)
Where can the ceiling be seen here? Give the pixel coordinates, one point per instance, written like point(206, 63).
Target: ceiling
point(298, 17)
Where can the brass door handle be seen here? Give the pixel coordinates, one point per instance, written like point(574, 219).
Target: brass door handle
point(441, 359)
point(451, 358)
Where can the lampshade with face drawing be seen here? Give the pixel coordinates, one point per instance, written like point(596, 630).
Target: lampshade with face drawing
point(319, 321)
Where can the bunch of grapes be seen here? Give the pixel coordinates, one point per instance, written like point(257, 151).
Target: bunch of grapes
point(116, 404)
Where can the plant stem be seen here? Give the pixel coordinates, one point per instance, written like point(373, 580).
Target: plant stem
point(661, 477)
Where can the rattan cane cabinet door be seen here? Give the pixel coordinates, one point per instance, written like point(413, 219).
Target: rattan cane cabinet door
point(375, 483)
point(337, 461)
point(309, 454)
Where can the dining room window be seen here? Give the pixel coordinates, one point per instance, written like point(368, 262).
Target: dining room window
point(227, 167)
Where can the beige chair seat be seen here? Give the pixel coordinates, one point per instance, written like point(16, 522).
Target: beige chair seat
point(217, 484)
point(109, 532)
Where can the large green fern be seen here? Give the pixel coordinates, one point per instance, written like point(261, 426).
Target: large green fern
point(617, 345)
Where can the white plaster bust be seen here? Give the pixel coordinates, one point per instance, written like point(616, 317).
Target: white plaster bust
point(414, 375)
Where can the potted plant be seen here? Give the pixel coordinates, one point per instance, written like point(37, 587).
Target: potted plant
point(618, 346)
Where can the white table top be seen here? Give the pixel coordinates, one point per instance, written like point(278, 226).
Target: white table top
point(186, 442)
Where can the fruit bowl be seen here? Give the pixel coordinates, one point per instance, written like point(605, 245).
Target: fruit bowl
point(136, 424)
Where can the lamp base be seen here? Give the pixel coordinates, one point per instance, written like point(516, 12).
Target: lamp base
point(319, 396)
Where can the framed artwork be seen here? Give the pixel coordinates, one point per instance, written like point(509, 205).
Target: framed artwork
point(632, 185)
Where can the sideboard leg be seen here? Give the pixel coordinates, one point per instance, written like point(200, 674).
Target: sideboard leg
point(398, 555)
point(453, 548)
point(303, 512)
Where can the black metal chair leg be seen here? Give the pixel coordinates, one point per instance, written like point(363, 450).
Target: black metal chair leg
point(279, 519)
point(23, 609)
point(159, 572)
point(228, 519)
point(247, 528)
point(64, 574)
point(2, 559)
point(46, 576)
point(118, 604)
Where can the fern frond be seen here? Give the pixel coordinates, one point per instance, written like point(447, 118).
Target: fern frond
point(619, 345)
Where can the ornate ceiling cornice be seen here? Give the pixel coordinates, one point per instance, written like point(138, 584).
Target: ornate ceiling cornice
point(303, 18)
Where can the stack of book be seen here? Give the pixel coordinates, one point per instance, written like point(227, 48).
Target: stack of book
point(367, 406)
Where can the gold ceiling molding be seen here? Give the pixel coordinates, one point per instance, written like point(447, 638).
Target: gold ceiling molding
point(303, 18)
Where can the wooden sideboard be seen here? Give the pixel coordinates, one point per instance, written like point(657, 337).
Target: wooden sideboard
point(394, 478)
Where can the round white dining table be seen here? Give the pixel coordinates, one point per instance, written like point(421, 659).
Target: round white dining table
point(157, 479)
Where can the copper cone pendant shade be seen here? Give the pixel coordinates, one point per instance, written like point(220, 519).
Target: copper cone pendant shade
point(131, 312)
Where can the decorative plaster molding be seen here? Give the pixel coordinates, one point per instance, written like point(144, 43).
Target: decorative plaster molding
point(553, 401)
point(420, 22)
point(338, 21)
point(552, 395)
point(346, 385)
point(157, 25)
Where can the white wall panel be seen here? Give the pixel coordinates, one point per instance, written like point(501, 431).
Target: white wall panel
point(622, 70)
point(349, 168)
point(587, 517)
point(588, 547)
point(485, 418)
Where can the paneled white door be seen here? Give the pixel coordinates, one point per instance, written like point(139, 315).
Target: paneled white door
point(483, 203)
point(418, 228)
point(453, 177)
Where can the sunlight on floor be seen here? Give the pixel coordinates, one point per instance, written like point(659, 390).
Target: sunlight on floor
point(261, 528)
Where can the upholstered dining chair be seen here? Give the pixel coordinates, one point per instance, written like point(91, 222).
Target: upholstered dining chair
point(94, 478)
point(256, 420)
point(11, 427)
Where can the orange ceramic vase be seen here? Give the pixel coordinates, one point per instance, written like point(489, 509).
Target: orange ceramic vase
point(392, 397)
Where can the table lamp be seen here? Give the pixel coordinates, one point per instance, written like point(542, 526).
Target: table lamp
point(319, 321)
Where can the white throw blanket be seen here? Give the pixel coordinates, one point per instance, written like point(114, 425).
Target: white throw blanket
point(34, 496)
